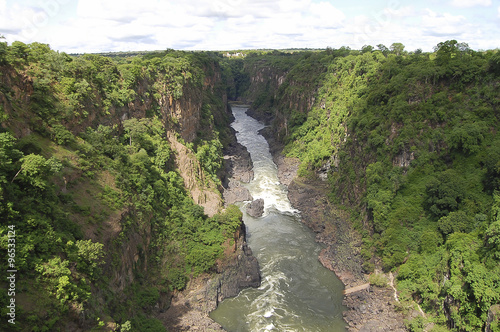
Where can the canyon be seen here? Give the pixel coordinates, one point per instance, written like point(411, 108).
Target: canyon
point(129, 166)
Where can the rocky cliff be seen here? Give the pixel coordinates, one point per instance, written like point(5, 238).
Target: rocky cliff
point(406, 143)
point(293, 99)
point(129, 140)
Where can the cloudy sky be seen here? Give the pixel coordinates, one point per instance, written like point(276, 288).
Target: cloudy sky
point(77, 26)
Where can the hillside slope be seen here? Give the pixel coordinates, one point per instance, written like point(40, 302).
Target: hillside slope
point(110, 175)
point(408, 144)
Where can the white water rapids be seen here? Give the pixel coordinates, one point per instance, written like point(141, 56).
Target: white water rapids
point(297, 292)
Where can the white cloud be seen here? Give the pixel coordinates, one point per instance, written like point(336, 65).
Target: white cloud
point(21, 22)
point(325, 15)
point(386, 26)
point(471, 3)
point(113, 25)
point(437, 24)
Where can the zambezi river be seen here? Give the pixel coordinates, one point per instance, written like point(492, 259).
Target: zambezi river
point(297, 293)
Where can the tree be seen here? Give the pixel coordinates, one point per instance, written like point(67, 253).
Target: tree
point(35, 169)
point(383, 49)
point(444, 194)
point(367, 49)
point(58, 280)
point(3, 49)
point(397, 48)
point(494, 64)
point(62, 135)
point(464, 49)
point(492, 235)
point(209, 155)
point(37, 52)
point(8, 154)
point(445, 51)
point(468, 137)
point(135, 129)
point(89, 256)
point(457, 221)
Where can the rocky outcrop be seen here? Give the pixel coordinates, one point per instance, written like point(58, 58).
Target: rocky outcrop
point(373, 311)
point(236, 193)
point(255, 208)
point(493, 316)
point(264, 79)
point(15, 92)
point(238, 169)
point(368, 310)
point(204, 193)
point(189, 309)
point(242, 272)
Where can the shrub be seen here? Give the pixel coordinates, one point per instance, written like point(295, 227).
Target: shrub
point(61, 135)
point(378, 280)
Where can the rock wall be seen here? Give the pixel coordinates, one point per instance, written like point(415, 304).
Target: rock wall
point(277, 95)
point(128, 251)
point(374, 309)
point(236, 270)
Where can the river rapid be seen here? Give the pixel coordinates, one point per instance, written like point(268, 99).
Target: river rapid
point(297, 292)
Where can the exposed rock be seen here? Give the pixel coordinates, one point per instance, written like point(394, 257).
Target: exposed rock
point(238, 169)
point(403, 159)
point(322, 172)
point(236, 193)
point(372, 310)
point(493, 316)
point(243, 273)
point(189, 309)
point(256, 208)
point(207, 196)
point(237, 163)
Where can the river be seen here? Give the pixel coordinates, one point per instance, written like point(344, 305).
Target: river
point(297, 292)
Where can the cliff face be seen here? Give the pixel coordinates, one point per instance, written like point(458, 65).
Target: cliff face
point(129, 140)
point(181, 118)
point(283, 89)
point(264, 79)
point(407, 143)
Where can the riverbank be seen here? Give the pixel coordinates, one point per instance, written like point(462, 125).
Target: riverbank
point(238, 269)
point(372, 309)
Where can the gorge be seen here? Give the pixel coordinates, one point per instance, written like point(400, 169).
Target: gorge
point(119, 174)
point(296, 293)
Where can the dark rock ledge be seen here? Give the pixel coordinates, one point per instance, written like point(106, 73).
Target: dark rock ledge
point(368, 310)
point(189, 309)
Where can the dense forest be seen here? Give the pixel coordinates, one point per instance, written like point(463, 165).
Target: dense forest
point(106, 223)
point(410, 146)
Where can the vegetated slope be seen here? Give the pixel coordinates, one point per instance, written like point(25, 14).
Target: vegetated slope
point(411, 147)
point(100, 161)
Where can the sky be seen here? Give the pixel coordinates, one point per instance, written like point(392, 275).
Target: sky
point(83, 26)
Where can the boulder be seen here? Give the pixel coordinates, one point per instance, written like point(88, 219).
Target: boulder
point(256, 208)
point(236, 193)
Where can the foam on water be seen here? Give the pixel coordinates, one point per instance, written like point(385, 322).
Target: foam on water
point(265, 184)
point(296, 293)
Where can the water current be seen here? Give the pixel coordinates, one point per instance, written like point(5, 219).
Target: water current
point(297, 292)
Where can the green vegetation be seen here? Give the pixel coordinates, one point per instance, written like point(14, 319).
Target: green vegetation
point(89, 183)
point(87, 171)
point(411, 143)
